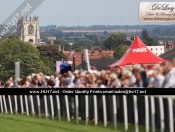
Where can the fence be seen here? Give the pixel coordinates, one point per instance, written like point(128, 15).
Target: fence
point(151, 111)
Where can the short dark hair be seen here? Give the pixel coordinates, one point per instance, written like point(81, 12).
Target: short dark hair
point(51, 83)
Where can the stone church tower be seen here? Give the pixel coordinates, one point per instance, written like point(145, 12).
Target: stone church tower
point(28, 30)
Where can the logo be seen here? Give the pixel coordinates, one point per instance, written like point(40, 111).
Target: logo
point(139, 50)
point(157, 12)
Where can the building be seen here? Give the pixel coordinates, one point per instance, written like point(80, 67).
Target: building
point(157, 50)
point(169, 45)
point(93, 54)
point(28, 30)
point(170, 55)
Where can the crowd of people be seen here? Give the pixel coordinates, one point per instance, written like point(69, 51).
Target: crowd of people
point(137, 76)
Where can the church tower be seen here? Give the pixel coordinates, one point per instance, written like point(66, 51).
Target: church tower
point(28, 30)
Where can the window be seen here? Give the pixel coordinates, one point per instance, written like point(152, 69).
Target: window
point(156, 53)
point(151, 48)
point(31, 41)
point(156, 48)
point(160, 48)
point(31, 29)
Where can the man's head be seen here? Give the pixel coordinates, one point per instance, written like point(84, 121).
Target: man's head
point(169, 66)
point(29, 78)
point(56, 74)
point(156, 73)
point(40, 73)
point(82, 74)
point(38, 77)
point(69, 73)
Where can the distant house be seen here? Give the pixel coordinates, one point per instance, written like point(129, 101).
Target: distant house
point(169, 46)
point(170, 55)
point(93, 54)
point(157, 50)
point(99, 63)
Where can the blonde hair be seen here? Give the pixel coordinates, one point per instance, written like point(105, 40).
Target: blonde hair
point(113, 76)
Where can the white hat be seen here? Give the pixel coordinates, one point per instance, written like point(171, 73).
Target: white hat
point(52, 77)
point(33, 75)
point(150, 72)
point(76, 71)
point(47, 77)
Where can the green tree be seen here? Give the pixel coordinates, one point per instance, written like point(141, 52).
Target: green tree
point(13, 46)
point(115, 40)
point(150, 41)
point(144, 34)
point(13, 50)
point(120, 51)
point(132, 38)
point(51, 52)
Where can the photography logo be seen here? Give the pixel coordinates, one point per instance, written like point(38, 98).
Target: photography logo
point(24, 10)
point(157, 12)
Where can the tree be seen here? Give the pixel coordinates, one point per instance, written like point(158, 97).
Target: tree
point(105, 33)
point(115, 40)
point(13, 46)
point(132, 38)
point(144, 34)
point(51, 52)
point(150, 41)
point(120, 51)
point(13, 50)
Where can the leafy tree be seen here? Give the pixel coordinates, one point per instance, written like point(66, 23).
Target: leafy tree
point(13, 46)
point(105, 33)
point(150, 41)
point(115, 40)
point(13, 50)
point(132, 38)
point(144, 34)
point(51, 52)
point(120, 51)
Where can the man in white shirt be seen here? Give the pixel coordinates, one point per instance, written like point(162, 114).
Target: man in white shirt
point(158, 79)
point(71, 79)
point(56, 80)
point(170, 78)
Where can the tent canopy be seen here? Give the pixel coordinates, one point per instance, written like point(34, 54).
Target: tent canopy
point(138, 53)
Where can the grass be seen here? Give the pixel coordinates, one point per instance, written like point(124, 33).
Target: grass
point(22, 123)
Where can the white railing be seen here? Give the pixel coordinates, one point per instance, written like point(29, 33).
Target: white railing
point(32, 104)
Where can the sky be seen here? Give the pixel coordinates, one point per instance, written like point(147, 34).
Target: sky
point(82, 12)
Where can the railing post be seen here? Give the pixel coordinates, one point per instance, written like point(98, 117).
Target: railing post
point(67, 108)
point(87, 108)
point(146, 114)
point(161, 114)
point(171, 122)
point(115, 111)
point(125, 112)
point(77, 108)
point(10, 104)
point(58, 107)
point(26, 102)
point(39, 106)
point(95, 109)
point(104, 110)
point(153, 113)
point(136, 113)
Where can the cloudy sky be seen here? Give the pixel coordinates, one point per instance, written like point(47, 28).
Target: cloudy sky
point(81, 12)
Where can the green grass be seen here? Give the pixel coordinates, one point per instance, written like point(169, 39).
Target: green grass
point(22, 123)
